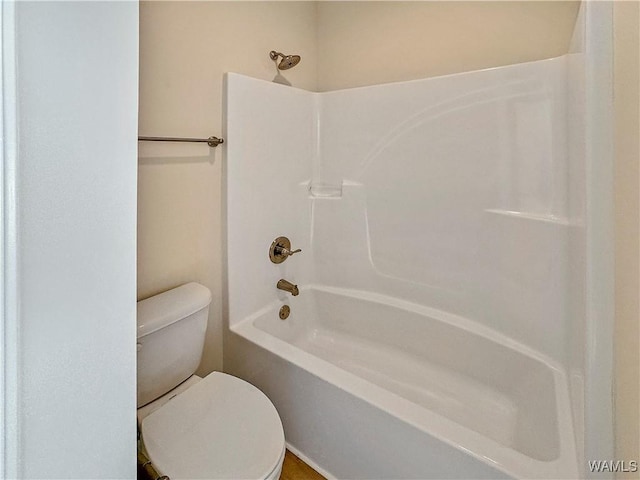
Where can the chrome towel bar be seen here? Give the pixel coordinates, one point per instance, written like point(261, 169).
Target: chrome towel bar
point(211, 141)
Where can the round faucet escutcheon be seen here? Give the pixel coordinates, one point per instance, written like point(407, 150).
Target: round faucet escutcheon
point(280, 250)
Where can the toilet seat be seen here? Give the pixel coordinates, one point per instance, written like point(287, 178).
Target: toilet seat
point(220, 428)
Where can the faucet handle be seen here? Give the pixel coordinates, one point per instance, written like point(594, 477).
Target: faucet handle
point(286, 252)
point(280, 250)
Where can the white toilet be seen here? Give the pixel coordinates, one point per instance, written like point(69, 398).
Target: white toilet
point(216, 427)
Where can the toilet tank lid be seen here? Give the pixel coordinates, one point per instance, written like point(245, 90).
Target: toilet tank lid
point(166, 308)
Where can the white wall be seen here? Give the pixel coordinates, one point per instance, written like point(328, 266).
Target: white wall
point(76, 190)
point(367, 43)
point(599, 223)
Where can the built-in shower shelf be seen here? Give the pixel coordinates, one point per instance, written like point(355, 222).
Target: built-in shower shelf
point(325, 191)
point(329, 191)
point(539, 217)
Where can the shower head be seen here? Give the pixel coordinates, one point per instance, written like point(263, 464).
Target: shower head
point(287, 62)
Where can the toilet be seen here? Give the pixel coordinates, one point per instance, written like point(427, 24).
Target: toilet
point(216, 427)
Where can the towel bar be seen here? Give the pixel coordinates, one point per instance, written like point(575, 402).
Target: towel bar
point(211, 141)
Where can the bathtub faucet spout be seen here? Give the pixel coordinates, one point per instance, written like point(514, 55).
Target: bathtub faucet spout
point(288, 287)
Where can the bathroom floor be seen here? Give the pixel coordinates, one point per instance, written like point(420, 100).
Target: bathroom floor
point(295, 469)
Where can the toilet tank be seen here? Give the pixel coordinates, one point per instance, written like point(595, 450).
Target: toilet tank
point(171, 330)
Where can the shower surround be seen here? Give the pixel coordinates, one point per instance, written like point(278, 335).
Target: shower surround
point(439, 330)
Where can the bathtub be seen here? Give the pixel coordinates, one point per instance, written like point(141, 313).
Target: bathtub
point(370, 386)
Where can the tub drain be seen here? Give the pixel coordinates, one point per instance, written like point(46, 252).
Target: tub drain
point(284, 312)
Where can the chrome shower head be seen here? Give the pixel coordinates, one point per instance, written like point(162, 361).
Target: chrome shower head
point(287, 62)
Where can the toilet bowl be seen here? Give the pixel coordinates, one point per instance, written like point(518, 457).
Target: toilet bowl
point(216, 427)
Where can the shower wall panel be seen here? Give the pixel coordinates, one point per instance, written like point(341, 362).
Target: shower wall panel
point(453, 193)
point(272, 135)
point(450, 192)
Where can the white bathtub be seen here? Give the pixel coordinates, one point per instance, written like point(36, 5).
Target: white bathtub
point(370, 386)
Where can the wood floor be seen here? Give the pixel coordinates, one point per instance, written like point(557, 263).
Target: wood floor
point(295, 469)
